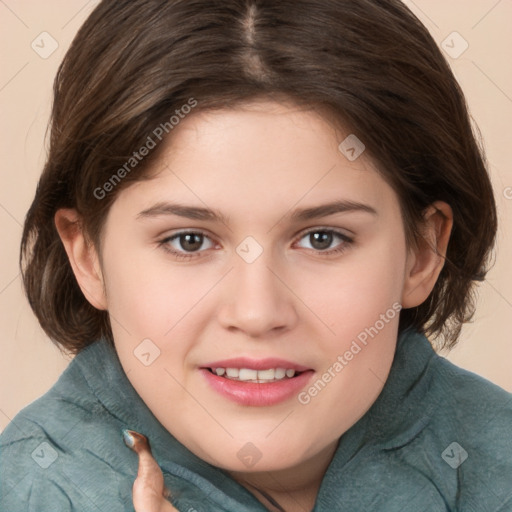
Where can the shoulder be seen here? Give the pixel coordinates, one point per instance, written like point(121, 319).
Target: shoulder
point(471, 402)
point(471, 429)
point(52, 457)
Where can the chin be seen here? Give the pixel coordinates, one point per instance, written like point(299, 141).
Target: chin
point(255, 457)
point(263, 465)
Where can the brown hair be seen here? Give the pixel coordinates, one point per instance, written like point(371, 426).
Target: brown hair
point(371, 63)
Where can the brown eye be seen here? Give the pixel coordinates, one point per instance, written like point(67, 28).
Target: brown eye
point(191, 242)
point(183, 243)
point(321, 240)
point(324, 240)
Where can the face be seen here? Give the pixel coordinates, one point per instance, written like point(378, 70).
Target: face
point(254, 285)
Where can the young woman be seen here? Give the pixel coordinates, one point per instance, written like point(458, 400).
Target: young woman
point(252, 215)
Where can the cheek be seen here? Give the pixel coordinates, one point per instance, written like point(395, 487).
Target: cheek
point(151, 297)
point(351, 297)
point(360, 303)
point(155, 308)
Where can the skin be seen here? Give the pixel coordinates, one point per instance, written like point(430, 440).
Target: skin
point(148, 493)
point(256, 166)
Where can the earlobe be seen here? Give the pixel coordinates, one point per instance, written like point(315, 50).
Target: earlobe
point(427, 258)
point(82, 256)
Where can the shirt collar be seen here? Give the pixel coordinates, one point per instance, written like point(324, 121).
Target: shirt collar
point(107, 380)
point(400, 412)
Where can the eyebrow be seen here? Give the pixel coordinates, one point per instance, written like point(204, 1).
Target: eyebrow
point(198, 213)
point(189, 212)
point(330, 209)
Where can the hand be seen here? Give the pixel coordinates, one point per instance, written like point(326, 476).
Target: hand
point(149, 492)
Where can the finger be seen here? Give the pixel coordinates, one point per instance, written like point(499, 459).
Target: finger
point(149, 492)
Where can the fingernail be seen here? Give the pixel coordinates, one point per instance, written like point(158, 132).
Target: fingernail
point(128, 438)
point(134, 440)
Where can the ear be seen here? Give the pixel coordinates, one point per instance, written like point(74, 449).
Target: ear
point(82, 256)
point(426, 259)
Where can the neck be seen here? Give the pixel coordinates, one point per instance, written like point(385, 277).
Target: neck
point(289, 490)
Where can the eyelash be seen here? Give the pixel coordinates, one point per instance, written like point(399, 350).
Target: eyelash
point(346, 241)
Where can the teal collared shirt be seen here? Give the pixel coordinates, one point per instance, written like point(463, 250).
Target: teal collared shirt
point(438, 438)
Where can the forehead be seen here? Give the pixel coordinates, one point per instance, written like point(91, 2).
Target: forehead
point(262, 157)
point(257, 129)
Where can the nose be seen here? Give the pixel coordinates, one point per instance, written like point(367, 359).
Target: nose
point(256, 301)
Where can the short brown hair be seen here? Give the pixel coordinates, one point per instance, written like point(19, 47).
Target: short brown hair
point(370, 63)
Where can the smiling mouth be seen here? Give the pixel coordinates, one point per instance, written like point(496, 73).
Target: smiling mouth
point(255, 376)
point(256, 382)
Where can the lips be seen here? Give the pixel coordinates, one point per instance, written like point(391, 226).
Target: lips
point(252, 382)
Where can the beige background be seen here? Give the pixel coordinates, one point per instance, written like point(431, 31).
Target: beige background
point(30, 364)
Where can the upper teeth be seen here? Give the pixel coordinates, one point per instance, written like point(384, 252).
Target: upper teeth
point(247, 374)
